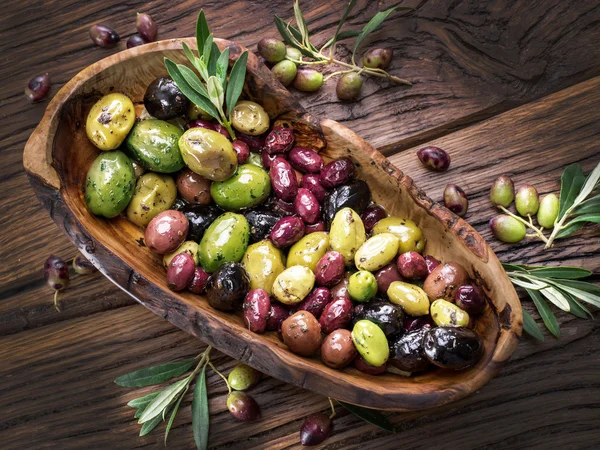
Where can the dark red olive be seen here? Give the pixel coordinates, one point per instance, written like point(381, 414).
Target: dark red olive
point(414, 323)
point(307, 206)
point(470, 298)
point(38, 87)
point(305, 160)
point(199, 281)
point(456, 200)
point(341, 289)
point(56, 273)
point(146, 27)
point(315, 302)
point(257, 307)
point(386, 276)
point(279, 140)
point(314, 227)
point(242, 406)
point(180, 271)
point(367, 368)
point(256, 143)
point(280, 206)
point(287, 231)
point(221, 129)
point(135, 40)
point(337, 314)
point(435, 158)
point(312, 183)
point(431, 262)
point(337, 172)
point(283, 179)
point(372, 215)
point(315, 429)
point(241, 150)
point(277, 315)
point(411, 265)
point(268, 159)
point(199, 123)
point(104, 36)
point(330, 269)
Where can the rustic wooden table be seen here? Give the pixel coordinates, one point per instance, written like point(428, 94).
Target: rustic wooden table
point(503, 86)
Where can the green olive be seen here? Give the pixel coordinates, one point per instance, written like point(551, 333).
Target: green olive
point(243, 377)
point(153, 194)
point(548, 211)
point(109, 121)
point(293, 284)
point(208, 153)
point(195, 112)
point(378, 251)
point(348, 86)
point(154, 143)
point(502, 192)
point(308, 80)
point(527, 200)
point(309, 250)
point(362, 286)
point(410, 235)
point(371, 343)
point(411, 298)
point(347, 234)
point(273, 50)
point(263, 262)
point(285, 71)
point(109, 184)
point(249, 186)
point(255, 159)
point(225, 240)
point(250, 118)
point(190, 247)
point(507, 228)
point(446, 314)
point(293, 53)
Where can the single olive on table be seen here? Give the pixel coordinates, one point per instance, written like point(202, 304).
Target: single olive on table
point(38, 87)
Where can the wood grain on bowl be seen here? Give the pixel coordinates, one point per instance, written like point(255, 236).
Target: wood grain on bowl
point(58, 155)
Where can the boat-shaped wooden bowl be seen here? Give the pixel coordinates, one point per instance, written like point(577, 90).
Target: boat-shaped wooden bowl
point(58, 155)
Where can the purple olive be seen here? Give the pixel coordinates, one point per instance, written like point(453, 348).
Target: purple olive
point(241, 150)
point(305, 160)
point(38, 87)
point(283, 179)
point(314, 227)
point(82, 266)
point(341, 289)
point(386, 276)
point(287, 231)
point(146, 26)
point(337, 314)
point(435, 158)
point(104, 36)
point(411, 265)
point(378, 58)
point(312, 183)
point(371, 216)
point(267, 159)
point(367, 368)
point(337, 172)
point(431, 262)
point(277, 314)
point(307, 206)
point(257, 306)
point(56, 273)
point(456, 200)
point(256, 143)
point(180, 271)
point(470, 298)
point(315, 429)
point(199, 281)
point(330, 269)
point(221, 129)
point(199, 123)
point(135, 40)
point(279, 205)
point(279, 140)
point(242, 406)
point(316, 301)
point(414, 323)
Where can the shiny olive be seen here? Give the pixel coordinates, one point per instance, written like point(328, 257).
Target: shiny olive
point(414, 323)
point(256, 306)
point(166, 231)
point(104, 36)
point(283, 179)
point(155, 144)
point(309, 250)
point(243, 377)
point(336, 314)
point(109, 121)
point(208, 153)
point(435, 158)
point(412, 299)
point(527, 200)
point(194, 188)
point(287, 231)
point(200, 217)
point(315, 429)
point(444, 280)
point(386, 276)
point(431, 263)
point(285, 72)
point(277, 315)
point(341, 289)
point(164, 100)
point(388, 316)
point(301, 332)
point(273, 50)
point(243, 407)
point(189, 247)
point(261, 221)
point(180, 271)
point(407, 351)
point(372, 215)
point(199, 281)
point(146, 26)
point(315, 302)
point(377, 252)
point(249, 186)
point(548, 211)
point(110, 183)
point(338, 171)
point(249, 118)
point(253, 158)
point(355, 194)
point(154, 193)
point(446, 314)
point(242, 151)
point(308, 80)
point(305, 160)
point(456, 200)
point(507, 228)
point(411, 265)
point(315, 227)
point(38, 87)
point(293, 284)
point(452, 347)
point(307, 206)
point(225, 240)
point(502, 192)
point(312, 183)
point(410, 235)
point(371, 343)
point(280, 140)
point(348, 86)
point(195, 112)
point(263, 264)
point(362, 286)
point(347, 234)
point(470, 298)
point(329, 270)
point(378, 58)
point(337, 349)
point(256, 143)
point(227, 287)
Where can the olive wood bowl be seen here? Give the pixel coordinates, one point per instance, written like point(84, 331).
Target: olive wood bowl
point(57, 157)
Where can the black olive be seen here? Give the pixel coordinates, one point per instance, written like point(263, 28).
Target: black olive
point(199, 219)
point(227, 287)
point(407, 352)
point(164, 100)
point(261, 223)
point(355, 195)
point(389, 317)
point(452, 347)
point(179, 204)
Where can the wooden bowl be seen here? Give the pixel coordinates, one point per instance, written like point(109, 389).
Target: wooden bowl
point(58, 155)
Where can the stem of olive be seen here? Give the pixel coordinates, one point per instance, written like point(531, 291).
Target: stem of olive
point(56, 300)
point(339, 72)
point(558, 226)
point(229, 129)
point(221, 375)
point(332, 408)
point(204, 357)
point(528, 224)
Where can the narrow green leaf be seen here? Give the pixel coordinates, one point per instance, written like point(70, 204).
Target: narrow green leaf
point(235, 86)
point(349, 7)
point(571, 181)
point(560, 272)
point(590, 288)
point(207, 48)
point(514, 268)
point(291, 35)
point(142, 402)
point(546, 314)
point(154, 375)
point(531, 327)
point(590, 206)
point(369, 415)
point(200, 414)
point(214, 57)
point(577, 309)
point(586, 218)
point(584, 296)
point(556, 298)
point(222, 66)
point(163, 400)
point(215, 93)
point(301, 24)
point(147, 427)
point(374, 23)
point(188, 52)
point(343, 35)
point(590, 184)
point(173, 414)
point(192, 79)
point(202, 31)
point(526, 284)
point(188, 91)
point(570, 229)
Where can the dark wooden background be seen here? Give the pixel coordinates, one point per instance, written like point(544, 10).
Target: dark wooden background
point(504, 86)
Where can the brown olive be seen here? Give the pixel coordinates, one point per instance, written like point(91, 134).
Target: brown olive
point(338, 350)
point(302, 333)
point(194, 188)
point(444, 281)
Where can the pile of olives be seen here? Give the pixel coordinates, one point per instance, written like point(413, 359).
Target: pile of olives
point(261, 225)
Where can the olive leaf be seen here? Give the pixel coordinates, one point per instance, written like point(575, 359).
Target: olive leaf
point(560, 272)
point(202, 31)
point(291, 36)
point(571, 181)
point(154, 375)
point(369, 415)
point(164, 399)
point(174, 413)
point(590, 206)
point(214, 57)
point(343, 35)
point(221, 68)
point(531, 327)
point(349, 7)
point(301, 24)
point(545, 313)
point(374, 23)
point(200, 414)
point(236, 82)
point(147, 427)
point(193, 80)
point(215, 93)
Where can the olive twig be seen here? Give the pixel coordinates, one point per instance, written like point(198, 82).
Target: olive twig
point(339, 72)
point(221, 375)
point(332, 408)
point(203, 361)
point(56, 300)
point(528, 224)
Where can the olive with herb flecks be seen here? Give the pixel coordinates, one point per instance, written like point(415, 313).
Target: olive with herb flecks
point(445, 280)
point(293, 284)
point(445, 314)
point(411, 265)
point(410, 235)
point(208, 153)
point(156, 145)
point(388, 316)
point(407, 351)
point(227, 287)
point(263, 264)
point(249, 118)
point(452, 347)
point(371, 343)
point(362, 286)
point(378, 58)
point(109, 121)
point(411, 298)
point(249, 186)
point(225, 240)
point(154, 193)
point(301, 332)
